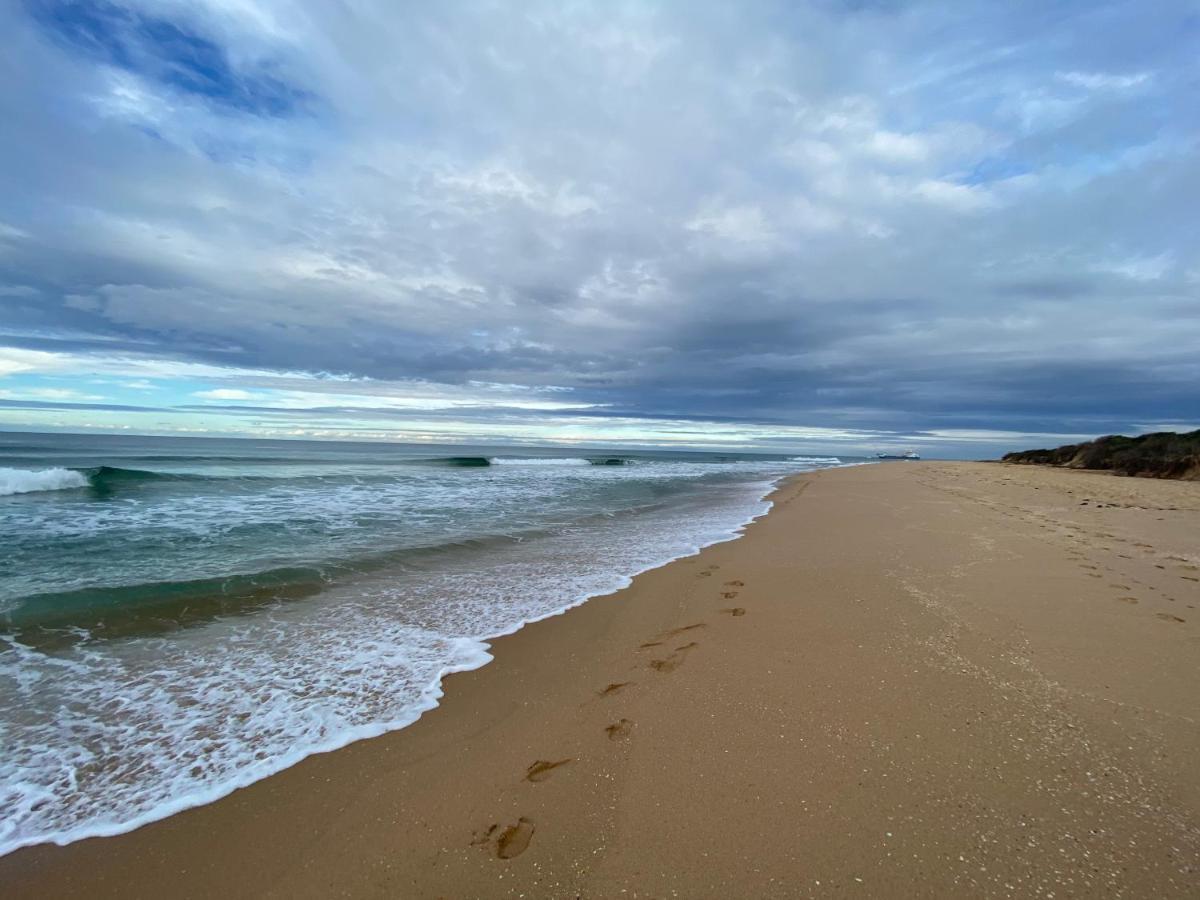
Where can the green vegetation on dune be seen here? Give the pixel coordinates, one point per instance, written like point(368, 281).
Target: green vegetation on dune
point(1163, 454)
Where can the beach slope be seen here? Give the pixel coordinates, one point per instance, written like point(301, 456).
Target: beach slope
point(909, 679)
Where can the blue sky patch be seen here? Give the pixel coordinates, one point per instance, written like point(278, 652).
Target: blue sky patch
point(168, 52)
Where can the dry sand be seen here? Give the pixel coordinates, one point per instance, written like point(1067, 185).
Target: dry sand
point(911, 679)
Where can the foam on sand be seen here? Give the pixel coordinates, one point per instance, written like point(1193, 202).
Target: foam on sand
point(243, 697)
point(113, 722)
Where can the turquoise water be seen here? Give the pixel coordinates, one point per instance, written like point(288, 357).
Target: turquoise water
point(179, 617)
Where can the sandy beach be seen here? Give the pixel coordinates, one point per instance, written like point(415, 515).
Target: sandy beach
point(909, 679)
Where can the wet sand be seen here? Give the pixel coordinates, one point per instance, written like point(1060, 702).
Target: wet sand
point(910, 679)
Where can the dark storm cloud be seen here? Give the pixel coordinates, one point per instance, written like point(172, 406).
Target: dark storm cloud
point(880, 215)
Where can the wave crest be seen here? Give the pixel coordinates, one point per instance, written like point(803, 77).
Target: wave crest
point(29, 481)
point(459, 461)
point(540, 461)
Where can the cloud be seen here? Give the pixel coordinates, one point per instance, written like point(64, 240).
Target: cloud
point(167, 52)
point(46, 393)
point(16, 359)
point(896, 217)
point(1095, 81)
point(224, 394)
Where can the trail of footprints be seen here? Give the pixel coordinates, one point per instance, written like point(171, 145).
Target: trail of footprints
point(1125, 590)
point(1103, 571)
point(1081, 536)
point(511, 840)
point(1096, 539)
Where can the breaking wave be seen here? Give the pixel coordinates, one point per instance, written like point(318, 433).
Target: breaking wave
point(105, 480)
point(469, 461)
point(26, 481)
point(539, 461)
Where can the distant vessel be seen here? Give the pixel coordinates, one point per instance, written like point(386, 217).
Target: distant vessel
point(911, 454)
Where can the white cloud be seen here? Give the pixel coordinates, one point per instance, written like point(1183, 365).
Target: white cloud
point(823, 213)
point(47, 393)
point(1104, 81)
point(11, 232)
point(1139, 268)
point(956, 197)
point(906, 148)
point(14, 360)
point(224, 394)
point(740, 224)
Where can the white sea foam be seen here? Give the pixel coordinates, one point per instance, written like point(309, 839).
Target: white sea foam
point(29, 481)
point(817, 460)
point(539, 461)
point(125, 733)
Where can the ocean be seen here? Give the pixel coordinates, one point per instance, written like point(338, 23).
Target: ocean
point(180, 617)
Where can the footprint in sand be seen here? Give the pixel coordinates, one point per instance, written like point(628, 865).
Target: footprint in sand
point(614, 688)
point(1167, 617)
point(1189, 578)
point(675, 631)
point(509, 841)
point(735, 584)
point(619, 730)
point(728, 595)
point(675, 660)
point(1128, 599)
point(735, 611)
point(514, 840)
point(649, 644)
point(541, 769)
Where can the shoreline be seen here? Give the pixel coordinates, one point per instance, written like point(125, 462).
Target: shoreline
point(480, 655)
point(917, 685)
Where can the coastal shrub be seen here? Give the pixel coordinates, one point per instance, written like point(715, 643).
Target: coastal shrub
point(1164, 454)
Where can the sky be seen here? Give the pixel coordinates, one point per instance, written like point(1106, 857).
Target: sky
point(836, 225)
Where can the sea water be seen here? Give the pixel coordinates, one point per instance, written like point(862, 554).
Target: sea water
point(181, 617)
